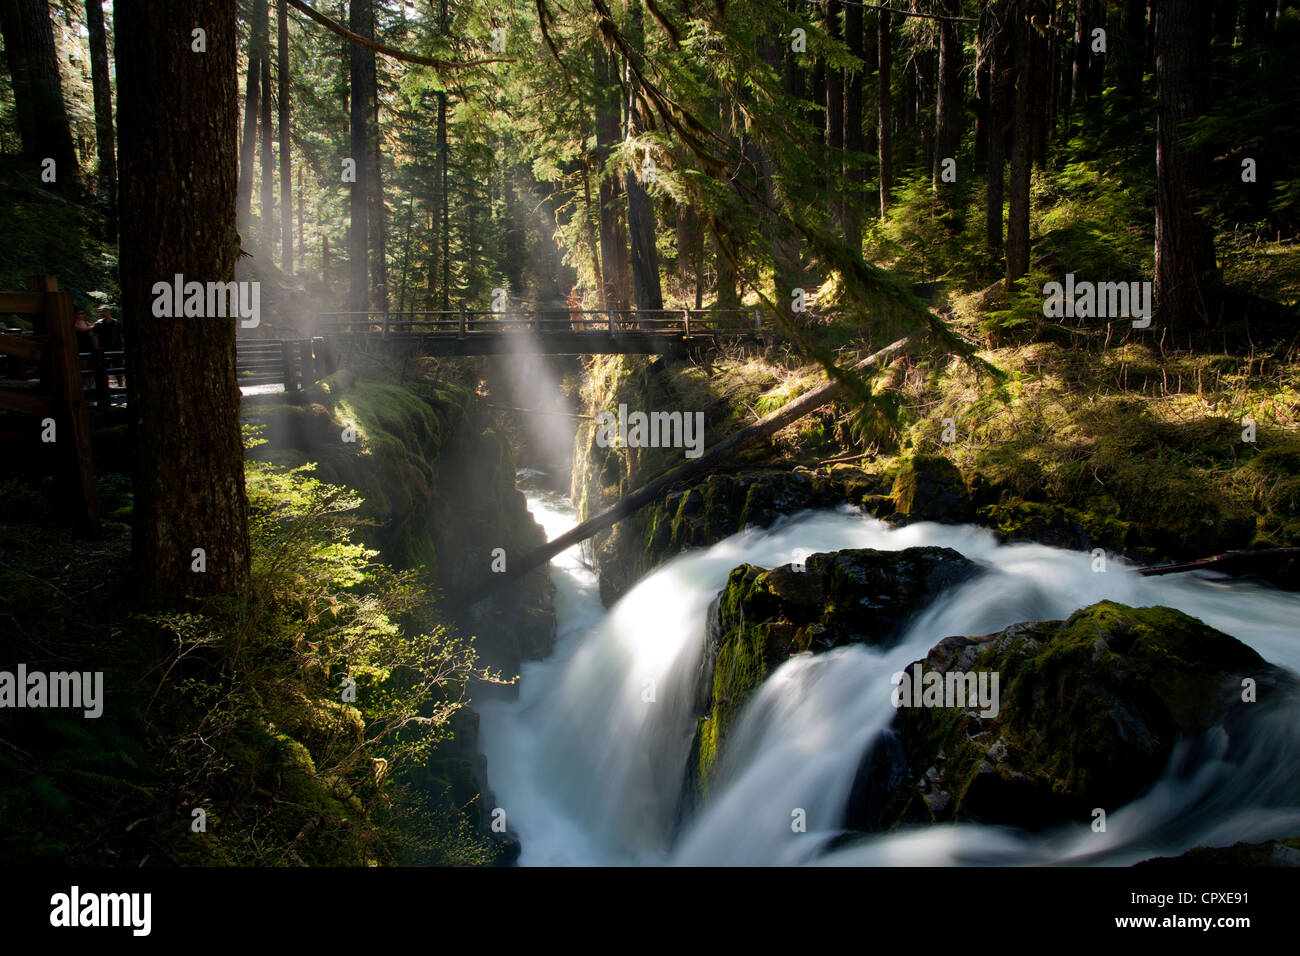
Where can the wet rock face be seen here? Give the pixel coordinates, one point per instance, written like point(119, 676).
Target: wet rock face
point(1088, 712)
point(931, 488)
point(763, 617)
point(719, 506)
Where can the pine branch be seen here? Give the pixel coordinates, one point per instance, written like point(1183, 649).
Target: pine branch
point(388, 51)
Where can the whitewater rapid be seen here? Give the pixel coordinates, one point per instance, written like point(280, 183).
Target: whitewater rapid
point(588, 762)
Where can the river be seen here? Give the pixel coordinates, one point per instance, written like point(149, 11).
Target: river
point(588, 762)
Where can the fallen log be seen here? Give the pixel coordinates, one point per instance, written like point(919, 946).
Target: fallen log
point(769, 425)
point(1227, 559)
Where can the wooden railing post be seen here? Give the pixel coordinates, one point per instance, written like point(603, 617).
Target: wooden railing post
point(610, 313)
point(461, 334)
point(385, 325)
point(325, 357)
point(70, 396)
point(101, 379)
point(286, 359)
point(686, 314)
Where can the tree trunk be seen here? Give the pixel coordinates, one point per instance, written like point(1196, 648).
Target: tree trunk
point(1097, 61)
point(11, 29)
point(1187, 279)
point(1129, 65)
point(640, 213)
point(444, 201)
point(885, 134)
point(103, 93)
point(983, 59)
point(1225, 20)
point(375, 192)
point(1041, 74)
point(818, 141)
point(854, 137)
point(948, 109)
point(613, 259)
point(359, 19)
point(268, 162)
point(786, 259)
point(1052, 77)
point(53, 134)
point(923, 96)
point(444, 204)
point(286, 166)
point(178, 216)
point(835, 120)
point(257, 49)
point(1021, 146)
point(1002, 45)
point(302, 228)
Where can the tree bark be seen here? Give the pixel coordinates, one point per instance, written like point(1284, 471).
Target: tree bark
point(53, 134)
point(835, 120)
point(613, 259)
point(854, 137)
point(1129, 39)
point(948, 110)
point(1187, 281)
point(177, 129)
point(359, 14)
point(983, 60)
point(286, 165)
point(103, 94)
point(640, 213)
point(1041, 74)
point(11, 29)
point(885, 135)
point(375, 191)
point(1002, 45)
point(923, 95)
point(1017, 248)
point(258, 42)
point(1082, 42)
point(268, 162)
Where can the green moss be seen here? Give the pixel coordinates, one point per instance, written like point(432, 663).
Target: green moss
point(1090, 707)
point(742, 664)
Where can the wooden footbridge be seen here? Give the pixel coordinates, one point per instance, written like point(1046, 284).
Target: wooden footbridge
point(548, 332)
point(263, 361)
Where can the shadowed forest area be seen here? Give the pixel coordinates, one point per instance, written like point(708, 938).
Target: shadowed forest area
point(1004, 288)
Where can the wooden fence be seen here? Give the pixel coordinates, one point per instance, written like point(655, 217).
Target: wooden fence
point(56, 399)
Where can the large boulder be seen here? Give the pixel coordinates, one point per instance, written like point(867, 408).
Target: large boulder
point(931, 488)
point(1088, 711)
point(762, 617)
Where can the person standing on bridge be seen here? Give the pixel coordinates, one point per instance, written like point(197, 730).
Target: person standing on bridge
point(85, 336)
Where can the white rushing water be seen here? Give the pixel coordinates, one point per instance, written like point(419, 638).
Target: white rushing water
point(588, 762)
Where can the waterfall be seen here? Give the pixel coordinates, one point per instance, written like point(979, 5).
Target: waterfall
point(588, 762)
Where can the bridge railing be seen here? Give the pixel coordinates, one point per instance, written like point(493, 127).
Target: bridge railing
point(464, 322)
point(294, 363)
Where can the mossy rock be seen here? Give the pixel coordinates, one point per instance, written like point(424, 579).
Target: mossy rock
point(931, 488)
point(1089, 710)
point(761, 618)
point(1055, 525)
